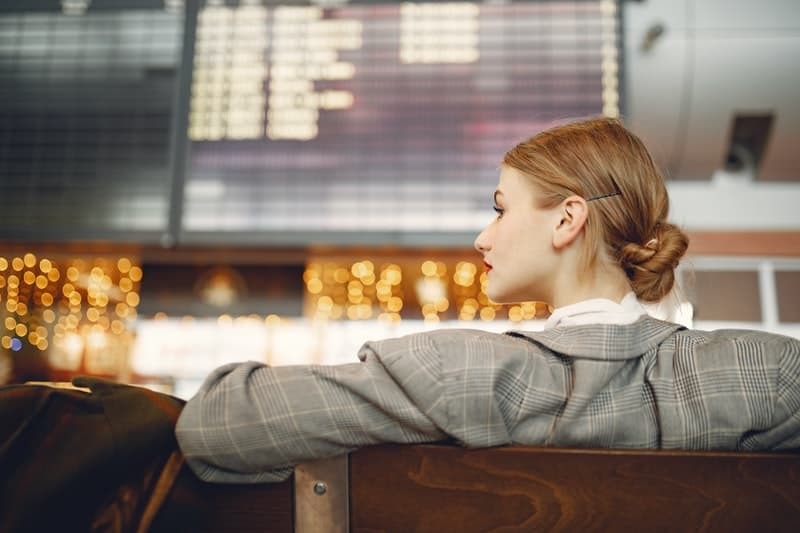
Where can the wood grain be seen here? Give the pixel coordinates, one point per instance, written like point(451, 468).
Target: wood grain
point(198, 507)
point(440, 488)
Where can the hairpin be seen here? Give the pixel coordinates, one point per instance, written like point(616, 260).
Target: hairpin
point(618, 193)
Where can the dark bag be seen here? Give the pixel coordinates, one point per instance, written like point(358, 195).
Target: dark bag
point(77, 461)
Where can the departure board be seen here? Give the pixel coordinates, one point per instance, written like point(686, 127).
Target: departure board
point(87, 93)
point(334, 120)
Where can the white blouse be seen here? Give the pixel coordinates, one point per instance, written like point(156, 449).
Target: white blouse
point(604, 311)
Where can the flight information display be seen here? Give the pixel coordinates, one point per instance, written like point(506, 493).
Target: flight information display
point(337, 120)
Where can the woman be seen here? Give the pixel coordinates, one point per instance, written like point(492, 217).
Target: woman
point(581, 224)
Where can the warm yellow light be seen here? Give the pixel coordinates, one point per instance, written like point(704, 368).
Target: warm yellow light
point(383, 292)
point(6, 342)
point(17, 264)
point(125, 284)
point(225, 320)
point(22, 309)
point(272, 320)
point(13, 281)
point(10, 323)
point(135, 273)
point(466, 314)
point(73, 274)
point(92, 314)
point(3, 264)
point(325, 303)
point(29, 260)
point(49, 316)
point(42, 344)
point(515, 313)
point(102, 300)
point(75, 298)
point(97, 273)
point(124, 265)
point(53, 275)
point(45, 266)
point(314, 286)
point(340, 275)
point(41, 331)
point(392, 274)
point(67, 289)
point(355, 287)
point(33, 337)
point(11, 306)
point(355, 298)
point(41, 281)
point(117, 327)
point(487, 313)
point(364, 311)
point(132, 299)
point(428, 268)
point(21, 330)
point(121, 309)
point(395, 304)
point(442, 305)
point(355, 269)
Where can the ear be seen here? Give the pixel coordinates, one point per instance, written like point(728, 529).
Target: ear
point(573, 212)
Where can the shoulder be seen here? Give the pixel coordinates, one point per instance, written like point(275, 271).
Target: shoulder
point(444, 343)
point(449, 354)
point(737, 341)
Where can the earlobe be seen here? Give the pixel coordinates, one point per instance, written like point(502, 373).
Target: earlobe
point(574, 212)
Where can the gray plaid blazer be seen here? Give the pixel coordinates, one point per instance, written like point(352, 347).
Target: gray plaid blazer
point(649, 384)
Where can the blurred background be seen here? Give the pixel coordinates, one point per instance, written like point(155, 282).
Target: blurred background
point(187, 183)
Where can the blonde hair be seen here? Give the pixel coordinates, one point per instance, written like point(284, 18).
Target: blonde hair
point(598, 158)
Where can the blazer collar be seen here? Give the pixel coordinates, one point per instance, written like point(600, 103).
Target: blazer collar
point(604, 342)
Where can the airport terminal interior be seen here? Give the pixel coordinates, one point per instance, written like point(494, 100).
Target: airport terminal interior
point(185, 183)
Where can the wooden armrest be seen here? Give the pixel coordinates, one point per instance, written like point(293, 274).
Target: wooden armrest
point(436, 488)
point(520, 488)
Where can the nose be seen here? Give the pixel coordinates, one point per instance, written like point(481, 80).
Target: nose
point(482, 241)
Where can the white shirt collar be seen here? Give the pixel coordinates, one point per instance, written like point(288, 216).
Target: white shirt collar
point(597, 311)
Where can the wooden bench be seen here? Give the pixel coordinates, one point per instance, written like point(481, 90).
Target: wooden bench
point(436, 488)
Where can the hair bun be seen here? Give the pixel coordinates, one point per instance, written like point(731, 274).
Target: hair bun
point(651, 266)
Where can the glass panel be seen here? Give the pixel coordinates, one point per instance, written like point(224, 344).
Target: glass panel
point(725, 295)
point(787, 285)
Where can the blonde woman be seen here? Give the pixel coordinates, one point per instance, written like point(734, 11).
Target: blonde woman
point(581, 223)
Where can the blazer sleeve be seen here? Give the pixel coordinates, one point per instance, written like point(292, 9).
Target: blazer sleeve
point(250, 423)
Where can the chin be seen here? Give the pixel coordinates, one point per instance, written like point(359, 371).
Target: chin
point(509, 297)
point(500, 298)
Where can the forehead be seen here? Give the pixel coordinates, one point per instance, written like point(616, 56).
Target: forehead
point(514, 183)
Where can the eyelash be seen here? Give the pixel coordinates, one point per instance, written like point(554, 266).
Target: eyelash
point(498, 210)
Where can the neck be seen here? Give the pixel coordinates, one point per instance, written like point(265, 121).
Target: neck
point(574, 286)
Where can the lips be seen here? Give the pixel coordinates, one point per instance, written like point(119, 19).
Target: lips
point(488, 266)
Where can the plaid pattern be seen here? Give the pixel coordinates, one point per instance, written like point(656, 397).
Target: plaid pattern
point(650, 384)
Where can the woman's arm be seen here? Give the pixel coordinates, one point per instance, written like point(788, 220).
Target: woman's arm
point(251, 423)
